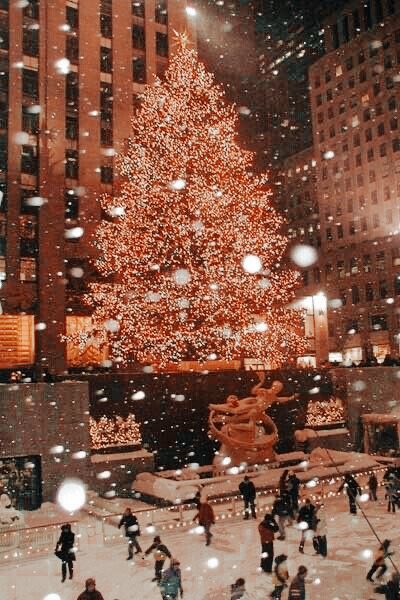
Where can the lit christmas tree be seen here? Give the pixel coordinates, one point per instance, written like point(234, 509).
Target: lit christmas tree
point(114, 432)
point(193, 243)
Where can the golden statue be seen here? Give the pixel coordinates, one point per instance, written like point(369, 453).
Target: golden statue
point(246, 433)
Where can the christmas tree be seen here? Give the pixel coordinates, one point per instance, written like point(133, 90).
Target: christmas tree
point(114, 431)
point(193, 243)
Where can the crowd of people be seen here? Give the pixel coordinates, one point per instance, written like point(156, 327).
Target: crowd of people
point(310, 520)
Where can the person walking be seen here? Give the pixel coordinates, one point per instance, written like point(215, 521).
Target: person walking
point(282, 509)
point(373, 486)
point(160, 553)
point(90, 592)
point(248, 491)
point(320, 541)
point(297, 589)
point(171, 581)
point(132, 531)
point(352, 489)
point(391, 589)
point(65, 551)
point(293, 489)
point(267, 529)
point(283, 483)
point(280, 577)
point(379, 560)
point(206, 518)
point(306, 520)
point(238, 589)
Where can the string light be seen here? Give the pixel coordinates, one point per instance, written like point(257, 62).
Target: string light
point(108, 431)
point(203, 227)
point(323, 412)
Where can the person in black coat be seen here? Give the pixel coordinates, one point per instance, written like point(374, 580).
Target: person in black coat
point(65, 551)
point(307, 518)
point(373, 486)
point(282, 509)
point(293, 483)
point(352, 489)
point(391, 589)
point(160, 553)
point(248, 491)
point(132, 531)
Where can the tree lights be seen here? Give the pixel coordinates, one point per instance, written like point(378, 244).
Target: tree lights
point(114, 432)
point(185, 217)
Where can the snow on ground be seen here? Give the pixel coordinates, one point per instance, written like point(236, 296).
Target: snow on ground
point(341, 576)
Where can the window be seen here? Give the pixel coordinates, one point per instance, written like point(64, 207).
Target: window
point(382, 150)
point(30, 121)
point(396, 145)
point(363, 76)
point(393, 123)
point(106, 26)
point(368, 135)
point(364, 225)
point(374, 197)
point(349, 63)
point(332, 131)
point(105, 59)
point(328, 76)
point(352, 82)
point(375, 220)
point(317, 81)
point(389, 83)
point(346, 164)
point(378, 10)
point(305, 277)
point(356, 140)
point(348, 184)
point(386, 193)
point(367, 263)
point(372, 176)
point(72, 48)
point(72, 90)
point(361, 57)
point(367, 114)
point(320, 117)
point(379, 322)
point(72, 17)
point(71, 128)
point(381, 129)
point(343, 296)
point(329, 94)
point(358, 160)
point(360, 180)
point(339, 231)
point(329, 236)
point(139, 70)
point(342, 108)
point(161, 44)
point(389, 62)
point(330, 112)
point(30, 41)
point(335, 36)
point(396, 285)
point(392, 104)
point(31, 10)
point(356, 21)
point(161, 12)
point(370, 156)
point(317, 275)
point(138, 8)
point(354, 265)
point(71, 164)
point(138, 37)
point(106, 174)
point(355, 295)
point(29, 160)
point(27, 269)
point(373, 49)
point(30, 83)
point(352, 228)
point(369, 292)
point(341, 269)
point(328, 271)
point(389, 216)
point(71, 205)
point(376, 88)
point(319, 99)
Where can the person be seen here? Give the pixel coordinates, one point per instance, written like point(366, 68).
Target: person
point(238, 589)
point(160, 553)
point(281, 575)
point(283, 484)
point(392, 493)
point(297, 589)
point(379, 560)
point(171, 581)
point(320, 542)
point(90, 592)
point(372, 486)
point(352, 489)
point(132, 531)
point(282, 509)
point(65, 551)
point(391, 589)
point(206, 518)
point(293, 489)
point(248, 491)
point(306, 517)
point(267, 529)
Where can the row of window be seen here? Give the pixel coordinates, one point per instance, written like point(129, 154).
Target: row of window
point(27, 269)
point(361, 225)
point(367, 115)
point(352, 326)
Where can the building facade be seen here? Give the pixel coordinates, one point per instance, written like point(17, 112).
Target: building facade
point(70, 74)
point(355, 100)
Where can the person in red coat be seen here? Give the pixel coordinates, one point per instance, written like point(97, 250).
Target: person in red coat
point(206, 518)
point(267, 529)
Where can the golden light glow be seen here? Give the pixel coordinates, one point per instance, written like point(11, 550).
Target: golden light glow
point(189, 211)
point(114, 432)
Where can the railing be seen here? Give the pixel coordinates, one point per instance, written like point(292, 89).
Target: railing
point(30, 542)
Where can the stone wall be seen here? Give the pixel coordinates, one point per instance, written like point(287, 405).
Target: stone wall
point(34, 418)
point(116, 472)
point(367, 390)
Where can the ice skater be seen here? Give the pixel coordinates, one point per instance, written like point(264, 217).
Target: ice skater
point(248, 491)
point(280, 577)
point(352, 489)
point(320, 541)
point(297, 590)
point(90, 592)
point(132, 531)
point(65, 551)
point(160, 553)
point(306, 520)
point(293, 484)
point(238, 589)
point(379, 561)
point(392, 493)
point(206, 518)
point(282, 509)
point(267, 529)
point(373, 486)
point(171, 581)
